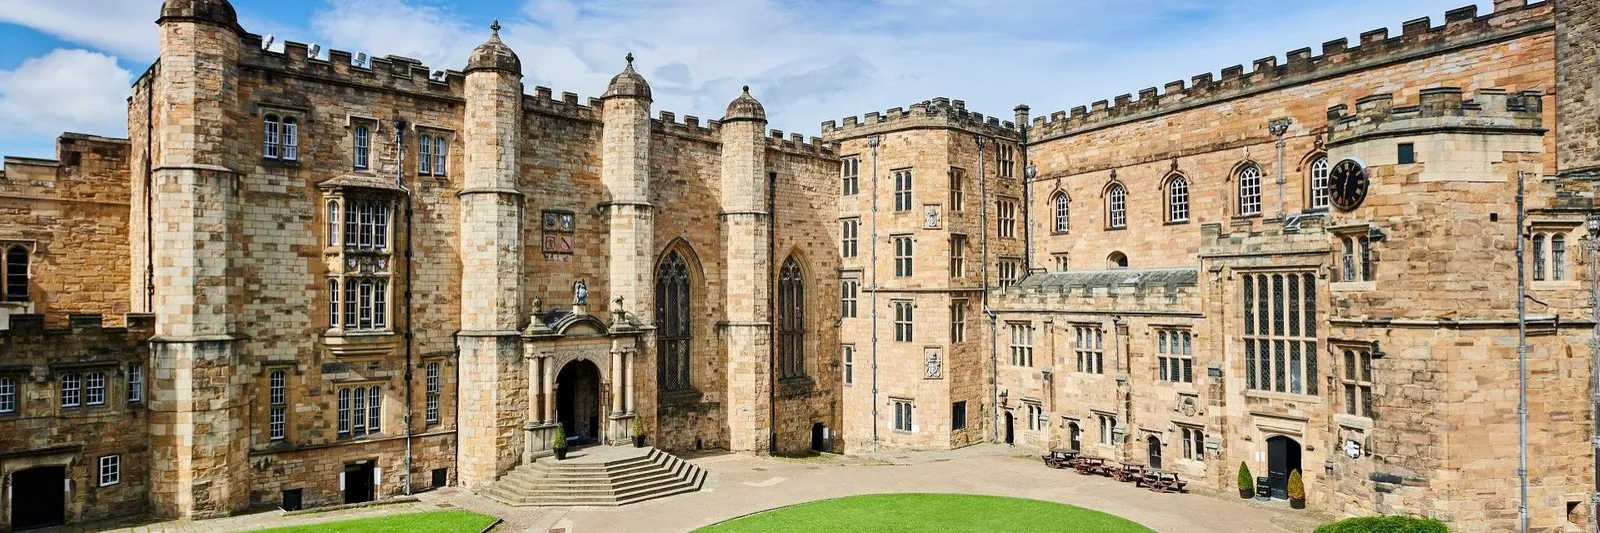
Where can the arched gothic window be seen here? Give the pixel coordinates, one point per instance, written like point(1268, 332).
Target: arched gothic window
point(1117, 207)
point(1250, 190)
point(791, 320)
point(1319, 183)
point(1178, 200)
point(672, 313)
point(1063, 212)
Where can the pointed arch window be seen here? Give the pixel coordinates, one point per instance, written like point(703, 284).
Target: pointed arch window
point(1117, 207)
point(791, 320)
point(1250, 191)
point(1178, 199)
point(672, 310)
point(1063, 212)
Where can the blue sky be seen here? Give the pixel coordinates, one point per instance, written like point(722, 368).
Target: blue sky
point(66, 65)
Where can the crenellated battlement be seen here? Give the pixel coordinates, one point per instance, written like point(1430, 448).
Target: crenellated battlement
point(1437, 108)
point(797, 143)
point(1462, 27)
point(390, 72)
point(543, 100)
point(938, 112)
point(689, 127)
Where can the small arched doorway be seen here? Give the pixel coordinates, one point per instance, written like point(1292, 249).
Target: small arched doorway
point(578, 401)
point(37, 498)
point(1155, 452)
point(1283, 457)
point(1010, 427)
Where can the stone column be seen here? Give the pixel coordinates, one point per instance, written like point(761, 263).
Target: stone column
point(628, 373)
point(535, 388)
point(616, 382)
point(549, 390)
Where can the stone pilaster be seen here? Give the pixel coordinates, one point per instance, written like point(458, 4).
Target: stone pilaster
point(747, 227)
point(493, 390)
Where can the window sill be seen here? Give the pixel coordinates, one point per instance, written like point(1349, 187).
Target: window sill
point(1352, 421)
point(1352, 286)
point(1116, 228)
point(1068, 232)
point(1286, 396)
point(680, 398)
point(796, 386)
point(344, 344)
point(277, 162)
point(1554, 285)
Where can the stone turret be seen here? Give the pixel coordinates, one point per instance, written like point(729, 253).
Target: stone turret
point(198, 399)
point(625, 171)
point(747, 228)
point(492, 380)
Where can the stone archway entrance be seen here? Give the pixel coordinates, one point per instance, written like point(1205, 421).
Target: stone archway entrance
point(1283, 457)
point(578, 401)
point(38, 497)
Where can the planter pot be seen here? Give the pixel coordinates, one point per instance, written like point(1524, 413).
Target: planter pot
point(638, 441)
point(1246, 493)
point(561, 454)
point(1297, 504)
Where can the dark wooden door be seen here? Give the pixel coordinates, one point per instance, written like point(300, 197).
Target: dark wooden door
point(38, 497)
point(817, 437)
point(1155, 452)
point(1283, 456)
point(1010, 423)
point(358, 486)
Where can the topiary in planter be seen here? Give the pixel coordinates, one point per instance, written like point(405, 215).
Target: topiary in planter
point(638, 431)
point(559, 443)
point(1297, 490)
point(1385, 524)
point(1247, 484)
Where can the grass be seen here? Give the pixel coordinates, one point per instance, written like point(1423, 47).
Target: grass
point(449, 521)
point(906, 513)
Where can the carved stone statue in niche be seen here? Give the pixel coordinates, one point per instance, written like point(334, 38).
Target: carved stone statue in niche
point(580, 292)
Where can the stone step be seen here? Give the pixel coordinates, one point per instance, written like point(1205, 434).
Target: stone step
point(650, 475)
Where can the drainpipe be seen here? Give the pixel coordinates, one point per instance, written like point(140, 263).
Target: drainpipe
point(1522, 363)
point(1028, 173)
point(149, 195)
point(1593, 224)
point(399, 180)
point(983, 245)
point(872, 281)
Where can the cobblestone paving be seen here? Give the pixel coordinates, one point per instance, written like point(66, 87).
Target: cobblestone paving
point(740, 485)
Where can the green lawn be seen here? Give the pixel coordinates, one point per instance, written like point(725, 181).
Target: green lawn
point(450, 521)
point(942, 513)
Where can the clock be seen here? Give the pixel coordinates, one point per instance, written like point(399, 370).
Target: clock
point(1347, 185)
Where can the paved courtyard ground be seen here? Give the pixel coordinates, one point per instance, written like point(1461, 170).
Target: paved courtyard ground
point(741, 485)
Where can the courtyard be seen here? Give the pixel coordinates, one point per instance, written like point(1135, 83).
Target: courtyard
point(742, 485)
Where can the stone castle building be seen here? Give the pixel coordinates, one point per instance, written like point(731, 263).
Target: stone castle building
point(331, 278)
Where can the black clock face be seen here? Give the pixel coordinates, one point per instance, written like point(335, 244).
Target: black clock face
point(1347, 185)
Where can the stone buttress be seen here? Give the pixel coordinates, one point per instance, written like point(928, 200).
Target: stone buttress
point(493, 384)
point(625, 172)
point(747, 231)
point(199, 388)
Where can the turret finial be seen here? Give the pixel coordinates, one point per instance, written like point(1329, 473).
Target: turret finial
point(495, 27)
point(630, 59)
point(747, 89)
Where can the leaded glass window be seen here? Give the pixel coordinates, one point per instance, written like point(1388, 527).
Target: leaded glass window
point(791, 320)
point(674, 333)
point(1280, 353)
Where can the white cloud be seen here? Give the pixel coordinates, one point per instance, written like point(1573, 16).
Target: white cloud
point(123, 27)
point(64, 90)
point(435, 35)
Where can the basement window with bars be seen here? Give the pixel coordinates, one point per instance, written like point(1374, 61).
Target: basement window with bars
point(1280, 332)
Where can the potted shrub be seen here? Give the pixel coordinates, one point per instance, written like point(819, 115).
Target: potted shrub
point(1247, 484)
point(638, 431)
point(1297, 490)
point(559, 443)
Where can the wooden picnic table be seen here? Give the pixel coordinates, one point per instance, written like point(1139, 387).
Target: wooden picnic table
point(1131, 471)
point(1060, 457)
point(1090, 464)
point(1165, 481)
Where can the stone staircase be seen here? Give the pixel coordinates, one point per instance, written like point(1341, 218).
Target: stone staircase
point(598, 475)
